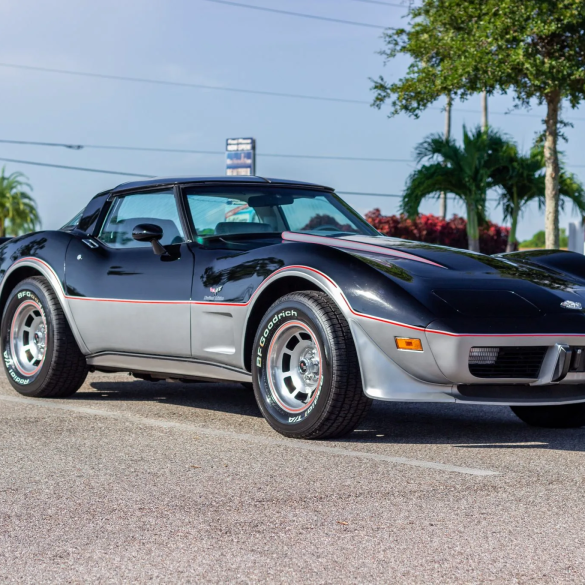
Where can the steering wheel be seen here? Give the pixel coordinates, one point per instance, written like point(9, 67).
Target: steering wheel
point(327, 228)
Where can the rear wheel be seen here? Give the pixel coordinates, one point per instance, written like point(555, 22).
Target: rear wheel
point(305, 369)
point(40, 355)
point(562, 416)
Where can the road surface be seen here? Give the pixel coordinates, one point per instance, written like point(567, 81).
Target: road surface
point(131, 481)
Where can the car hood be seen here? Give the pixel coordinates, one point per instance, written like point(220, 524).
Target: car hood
point(453, 281)
point(399, 249)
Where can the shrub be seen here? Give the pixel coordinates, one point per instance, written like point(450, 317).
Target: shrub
point(432, 229)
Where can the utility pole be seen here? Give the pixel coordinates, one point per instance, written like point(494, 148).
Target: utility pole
point(484, 110)
point(443, 197)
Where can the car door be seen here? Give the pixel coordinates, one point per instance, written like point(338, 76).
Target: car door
point(124, 297)
point(226, 273)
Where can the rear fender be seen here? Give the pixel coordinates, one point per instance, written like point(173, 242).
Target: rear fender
point(22, 269)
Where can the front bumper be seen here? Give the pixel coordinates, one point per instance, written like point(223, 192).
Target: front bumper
point(440, 373)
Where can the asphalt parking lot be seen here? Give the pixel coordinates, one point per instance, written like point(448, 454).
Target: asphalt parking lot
point(131, 481)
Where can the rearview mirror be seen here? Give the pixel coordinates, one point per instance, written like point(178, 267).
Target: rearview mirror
point(149, 232)
point(270, 200)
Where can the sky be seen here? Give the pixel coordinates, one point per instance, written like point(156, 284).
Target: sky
point(215, 44)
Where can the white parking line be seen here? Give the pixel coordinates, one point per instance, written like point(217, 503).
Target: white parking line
point(291, 443)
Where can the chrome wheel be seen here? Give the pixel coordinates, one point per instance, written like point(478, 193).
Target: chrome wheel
point(294, 360)
point(28, 338)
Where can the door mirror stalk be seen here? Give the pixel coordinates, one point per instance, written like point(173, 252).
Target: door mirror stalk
point(150, 232)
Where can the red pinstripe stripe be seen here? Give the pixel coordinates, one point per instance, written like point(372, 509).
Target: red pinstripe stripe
point(136, 302)
point(106, 300)
point(353, 312)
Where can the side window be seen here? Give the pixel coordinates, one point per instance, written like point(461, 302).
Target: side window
point(128, 211)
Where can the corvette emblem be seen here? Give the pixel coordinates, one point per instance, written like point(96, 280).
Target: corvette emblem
point(571, 305)
point(214, 290)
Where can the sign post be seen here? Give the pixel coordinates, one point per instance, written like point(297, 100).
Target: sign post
point(240, 154)
point(576, 237)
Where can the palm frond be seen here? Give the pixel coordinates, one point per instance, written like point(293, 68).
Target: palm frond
point(430, 181)
point(570, 188)
point(18, 209)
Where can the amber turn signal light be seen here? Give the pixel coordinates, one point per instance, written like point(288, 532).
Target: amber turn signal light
point(409, 343)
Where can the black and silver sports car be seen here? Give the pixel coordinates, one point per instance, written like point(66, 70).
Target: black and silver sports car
point(280, 285)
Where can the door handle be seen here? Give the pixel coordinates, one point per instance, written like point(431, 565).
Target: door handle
point(90, 244)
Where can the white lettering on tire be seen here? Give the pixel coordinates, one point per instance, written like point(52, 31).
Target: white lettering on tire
point(270, 325)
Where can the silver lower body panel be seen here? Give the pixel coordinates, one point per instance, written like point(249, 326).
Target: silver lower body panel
point(166, 367)
point(394, 375)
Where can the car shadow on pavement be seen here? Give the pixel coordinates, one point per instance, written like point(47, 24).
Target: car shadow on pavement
point(462, 426)
point(232, 398)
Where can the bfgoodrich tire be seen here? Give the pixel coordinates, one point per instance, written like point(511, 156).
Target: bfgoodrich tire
point(305, 369)
point(562, 416)
point(40, 355)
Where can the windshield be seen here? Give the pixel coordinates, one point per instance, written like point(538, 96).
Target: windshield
point(72, 223)
point(253, 210)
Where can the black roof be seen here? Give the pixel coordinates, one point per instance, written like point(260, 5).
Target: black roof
point(223, 179)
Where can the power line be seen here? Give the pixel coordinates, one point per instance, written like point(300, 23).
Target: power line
point(334, 157)
point(183, 84)
point(382, 3)
point(107, 172)
point(32, 143)
point(192, 151)
point(242, 90)
point(85, 169)
point(302, 15)
point(392, 195)
point(368, 194)
point(110, 147)
point(69, 168)
point(213, 152)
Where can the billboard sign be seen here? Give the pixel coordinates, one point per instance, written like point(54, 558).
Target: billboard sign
point(240, 154)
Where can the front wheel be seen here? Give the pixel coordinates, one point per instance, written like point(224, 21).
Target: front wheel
point(40, 355)
point(562, 416)
point(305, 369)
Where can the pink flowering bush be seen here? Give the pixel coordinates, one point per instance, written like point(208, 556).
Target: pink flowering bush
point(432, 229)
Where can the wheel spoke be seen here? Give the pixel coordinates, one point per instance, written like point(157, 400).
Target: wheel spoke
point(294, 367)
point(28, 338)
point(297, 392)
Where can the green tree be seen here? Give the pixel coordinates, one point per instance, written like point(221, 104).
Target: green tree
point(534, 49)
point(538, 239)
point(18, 211)
point(520, 180)
point(464, 171)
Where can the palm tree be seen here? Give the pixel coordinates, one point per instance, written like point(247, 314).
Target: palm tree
point(18, 210)
point(520, 180)
point(463, 171)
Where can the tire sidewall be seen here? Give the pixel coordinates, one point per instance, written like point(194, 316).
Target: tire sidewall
point(27, 291)
point(282, 313)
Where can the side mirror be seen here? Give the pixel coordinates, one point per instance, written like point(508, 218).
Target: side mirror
point(149, 232)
